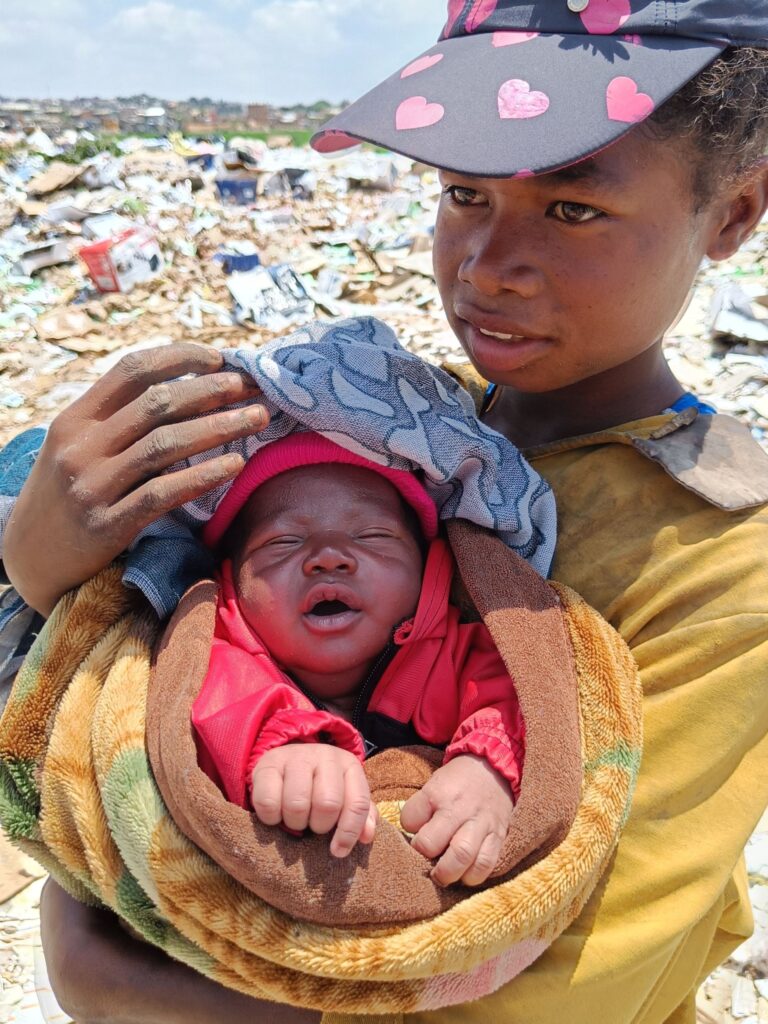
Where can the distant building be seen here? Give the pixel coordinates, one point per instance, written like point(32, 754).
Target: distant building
point(257, 115)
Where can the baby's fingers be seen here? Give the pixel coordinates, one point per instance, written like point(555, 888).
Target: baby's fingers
point(369, 829)
point(267, 794)
point(297, 793)
point(328, 793)
point(355, 812)
point(460, 859)
point(416, 812)
point(486, 860)
point(433, 838)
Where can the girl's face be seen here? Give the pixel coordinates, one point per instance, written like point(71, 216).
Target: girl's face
point(553, 279)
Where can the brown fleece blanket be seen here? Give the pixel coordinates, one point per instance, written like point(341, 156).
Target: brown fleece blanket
point(388, 882)
point(78, 792)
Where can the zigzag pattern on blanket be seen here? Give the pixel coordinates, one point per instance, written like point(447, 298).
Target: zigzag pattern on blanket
point(77, 792)
point(352, 381)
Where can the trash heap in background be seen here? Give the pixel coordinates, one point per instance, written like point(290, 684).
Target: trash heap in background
point(107, 249)
point(110, 246)
point(154, 241)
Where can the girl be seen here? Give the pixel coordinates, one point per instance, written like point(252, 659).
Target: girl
point(593, 153)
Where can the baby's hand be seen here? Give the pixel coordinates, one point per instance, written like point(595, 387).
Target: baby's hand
point(463, 812)
point(315, 786)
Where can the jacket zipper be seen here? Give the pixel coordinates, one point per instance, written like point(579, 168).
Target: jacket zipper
point(371, 681)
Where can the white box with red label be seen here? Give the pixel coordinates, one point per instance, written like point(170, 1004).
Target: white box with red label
point(119, 263)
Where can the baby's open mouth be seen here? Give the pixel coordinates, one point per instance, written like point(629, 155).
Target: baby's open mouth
point(331, 608)
point(328, 608)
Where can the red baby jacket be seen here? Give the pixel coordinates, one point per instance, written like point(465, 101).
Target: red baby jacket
point(440, 682)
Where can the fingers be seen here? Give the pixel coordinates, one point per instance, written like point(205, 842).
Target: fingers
point(327, 796)
point(162, 494)
point(298, 776)
point(173, 402)
point(434, 836)
point(171, 443)
point(267, 793)
point(355, 814)
point(416, 812)
point(136, 372)
point(317, 788)
point(369, 829)
point(472, 854)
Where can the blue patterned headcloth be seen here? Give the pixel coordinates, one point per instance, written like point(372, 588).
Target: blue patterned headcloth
point(354, 383)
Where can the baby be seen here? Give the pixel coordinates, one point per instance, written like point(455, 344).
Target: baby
point(334, 639)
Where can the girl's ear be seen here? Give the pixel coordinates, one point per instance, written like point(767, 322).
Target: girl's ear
point(740, 209)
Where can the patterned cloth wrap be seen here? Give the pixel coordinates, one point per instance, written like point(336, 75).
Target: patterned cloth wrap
point(99, 782)
point(353, 382)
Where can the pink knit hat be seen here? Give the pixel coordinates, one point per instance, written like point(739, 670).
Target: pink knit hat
point(310, 449)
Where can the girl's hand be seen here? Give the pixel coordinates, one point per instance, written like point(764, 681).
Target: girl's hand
point(99, 973)
point(463, 813)
point(315, 786)
point(97, 481)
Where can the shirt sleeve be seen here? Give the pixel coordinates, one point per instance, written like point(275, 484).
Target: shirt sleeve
point(674, 902)
point(242, 713)
point(491, 723)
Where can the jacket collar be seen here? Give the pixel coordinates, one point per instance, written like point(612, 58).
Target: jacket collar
point(715, 456)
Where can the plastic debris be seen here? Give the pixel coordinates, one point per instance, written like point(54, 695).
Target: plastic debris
point(118, 264)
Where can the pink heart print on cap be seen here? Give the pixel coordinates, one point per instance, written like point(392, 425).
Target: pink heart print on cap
point(625, 103)
point(512, 38)
point(480, 12)
point(517, 101)
point(603, 17)
point(422, 64)
point(417, 112)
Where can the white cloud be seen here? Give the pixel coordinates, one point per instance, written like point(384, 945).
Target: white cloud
point(277, 51)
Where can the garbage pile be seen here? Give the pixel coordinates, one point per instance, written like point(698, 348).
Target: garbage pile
point(109, 246)
point(154, 241)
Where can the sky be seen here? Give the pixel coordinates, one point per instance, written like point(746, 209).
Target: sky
point(273, 51)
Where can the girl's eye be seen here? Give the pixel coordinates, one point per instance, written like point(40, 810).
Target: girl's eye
point(374, 534)
point(574, 213)
point(462, 196)
point(283, 542)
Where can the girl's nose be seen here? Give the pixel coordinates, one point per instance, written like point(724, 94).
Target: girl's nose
point(493, 265)
point(330, 553)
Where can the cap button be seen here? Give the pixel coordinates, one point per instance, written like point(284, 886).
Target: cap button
point(577, 6)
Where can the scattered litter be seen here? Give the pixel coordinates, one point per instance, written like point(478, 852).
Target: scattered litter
point(64, 323)
point(271, 297)
point(118, 264)
point(56, 176)
point(11, 399)
point(734, 315)
point(44, 254)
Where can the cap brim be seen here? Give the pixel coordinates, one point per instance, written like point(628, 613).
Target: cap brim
point(506, 103)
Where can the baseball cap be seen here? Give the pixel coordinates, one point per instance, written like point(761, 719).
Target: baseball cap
point(519, 88)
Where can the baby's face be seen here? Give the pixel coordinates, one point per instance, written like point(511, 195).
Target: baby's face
point(326, 566)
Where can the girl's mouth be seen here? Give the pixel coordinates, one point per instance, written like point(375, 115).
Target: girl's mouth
point(499, 352)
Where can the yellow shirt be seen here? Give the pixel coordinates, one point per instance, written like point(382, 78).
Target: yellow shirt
point(686, 584)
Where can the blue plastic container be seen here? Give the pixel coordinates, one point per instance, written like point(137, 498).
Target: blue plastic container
point(235, 263)
point(237, 191)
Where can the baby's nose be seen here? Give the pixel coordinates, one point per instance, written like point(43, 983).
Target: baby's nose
point(330, 553)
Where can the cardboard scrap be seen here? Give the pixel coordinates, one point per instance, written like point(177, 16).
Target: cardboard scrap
point(57, 175)
point(64, 323)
